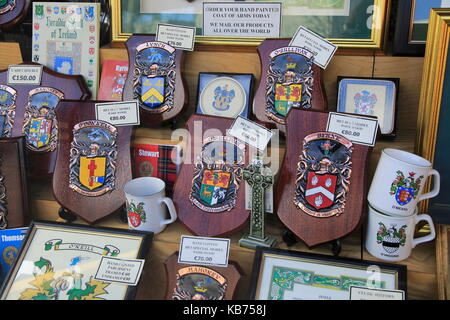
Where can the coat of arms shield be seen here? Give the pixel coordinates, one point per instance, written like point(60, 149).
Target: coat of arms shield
point(154, 76)
point(40, 126)
point(93, 156)
point(217, 174)
point(323, 174)
point(7, 110)
point(289, 81)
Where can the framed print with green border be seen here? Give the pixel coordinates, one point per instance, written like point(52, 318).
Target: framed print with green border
point(347, 23)
point(59, 262)
point(291, 275)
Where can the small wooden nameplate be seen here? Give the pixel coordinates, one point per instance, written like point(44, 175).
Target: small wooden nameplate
point(155, 79)
point(322, 188)
point(93, 162)
point(289, 79)
point(194, 282)
point(209, 193)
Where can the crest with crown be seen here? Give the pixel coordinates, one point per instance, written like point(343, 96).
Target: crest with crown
point(223, 97)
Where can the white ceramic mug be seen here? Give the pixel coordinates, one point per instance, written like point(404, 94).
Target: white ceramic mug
point(398, 182)
point(146, 205)
point(391, 238)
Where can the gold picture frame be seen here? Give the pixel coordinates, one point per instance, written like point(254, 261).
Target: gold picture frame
point(379, 9)
point(434, 81)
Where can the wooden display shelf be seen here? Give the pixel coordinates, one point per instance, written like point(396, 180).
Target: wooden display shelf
point(421, 265)
point(422, 282)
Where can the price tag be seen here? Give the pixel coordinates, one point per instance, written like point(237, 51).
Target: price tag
point(118, 113)
point(180, 37)
point(323, 49)
point(364, 293)
point(358, 129)
point(204, 251)
point(251, 133)
point(125, 271)
point(26, 75)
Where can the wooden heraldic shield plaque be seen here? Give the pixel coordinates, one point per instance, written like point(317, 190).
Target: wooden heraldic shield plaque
point(289, 79)
point(209, 193)
point(322, 187)
point(93, 162)
point(12, 12)
point(155, 79)
point(14, 207)
point(29, 110)
point(195, 282)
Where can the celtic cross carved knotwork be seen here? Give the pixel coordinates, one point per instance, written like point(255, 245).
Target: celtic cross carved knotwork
point(258, 182)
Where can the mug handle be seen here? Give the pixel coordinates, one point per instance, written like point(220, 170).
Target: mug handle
point(431, 236)
point(436, 186)
point(173, 213)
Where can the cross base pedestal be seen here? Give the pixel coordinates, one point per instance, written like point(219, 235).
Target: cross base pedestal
point(250, 242)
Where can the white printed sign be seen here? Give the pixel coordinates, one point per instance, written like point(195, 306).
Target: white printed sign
point(251, 133)
point(204, 251)
point(358, 129)
point(323, 49)
point(125, 271)
point(25, 74)
point(238, 19)
point(364, 293)
point(180, 37)
point(124, 113)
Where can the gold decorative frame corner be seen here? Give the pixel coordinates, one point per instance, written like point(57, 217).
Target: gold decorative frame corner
point(435, 64)
point(379, 27)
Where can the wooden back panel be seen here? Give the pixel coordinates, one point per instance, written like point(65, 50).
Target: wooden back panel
point(90, 208)
point(193, 218)
point(314, 230)
point(13, 171)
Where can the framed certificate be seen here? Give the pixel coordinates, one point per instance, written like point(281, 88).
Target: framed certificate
point(59, 262)
point(290, 275)
point(224, 94)
point(371, 97)
point(347, 23)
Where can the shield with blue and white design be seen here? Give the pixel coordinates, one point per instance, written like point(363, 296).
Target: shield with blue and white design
point(89, 13)
point(404, 195)
point(152, 91)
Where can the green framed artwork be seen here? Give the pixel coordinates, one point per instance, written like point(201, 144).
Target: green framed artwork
point(347, 23)
point(291, 275)
point(60, 261)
